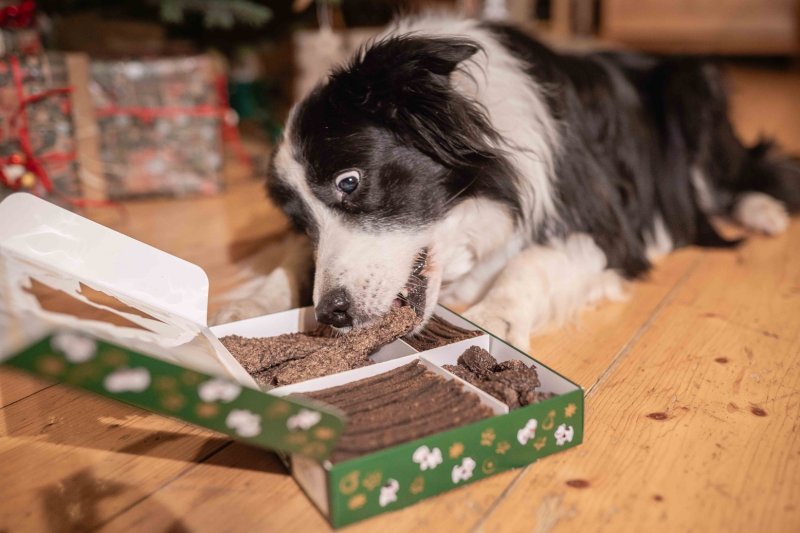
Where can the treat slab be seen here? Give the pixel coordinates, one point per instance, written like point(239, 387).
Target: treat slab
point(84, 305)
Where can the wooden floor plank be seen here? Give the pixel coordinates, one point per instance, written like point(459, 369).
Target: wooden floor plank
point(70, 460)
point(16, 385)
point(582, 354)
point(698, 427)
point(584, 350)
point(212, 233)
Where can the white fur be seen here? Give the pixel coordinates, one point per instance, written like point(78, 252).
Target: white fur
point(658, 243)
point(704, 193)
point(373, 266)
point(478, 245)
point(761, 212)
point(544, 285)
point(477, 252)
point(471, 246)
point(515, 104)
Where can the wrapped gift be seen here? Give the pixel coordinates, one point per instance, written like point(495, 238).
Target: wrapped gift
point(162, 124)
point(18, 34)
point(38, 151)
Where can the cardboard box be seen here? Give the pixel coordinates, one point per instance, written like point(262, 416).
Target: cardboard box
point(84, 305)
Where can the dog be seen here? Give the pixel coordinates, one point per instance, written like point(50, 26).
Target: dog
point(465, 162)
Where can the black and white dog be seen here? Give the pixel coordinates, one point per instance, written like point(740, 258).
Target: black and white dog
point(459, 161)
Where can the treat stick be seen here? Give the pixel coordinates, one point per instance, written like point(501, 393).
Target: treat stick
point(343, 351)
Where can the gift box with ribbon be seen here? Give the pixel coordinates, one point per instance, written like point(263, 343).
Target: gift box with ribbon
point(18, 34)
point(162, 124)
point(37, 134)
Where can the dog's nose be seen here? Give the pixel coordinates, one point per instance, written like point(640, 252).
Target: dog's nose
point(332, 309)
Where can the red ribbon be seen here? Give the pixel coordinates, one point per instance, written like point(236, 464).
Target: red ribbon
point(18, 16)
point(30, 161)
point(227, 116)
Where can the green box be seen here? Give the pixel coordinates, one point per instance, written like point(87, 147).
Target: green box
point(86, 306)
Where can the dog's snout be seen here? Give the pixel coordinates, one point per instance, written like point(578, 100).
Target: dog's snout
point(333, 308)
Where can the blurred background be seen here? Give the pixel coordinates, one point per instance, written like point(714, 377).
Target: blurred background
point(156, 117)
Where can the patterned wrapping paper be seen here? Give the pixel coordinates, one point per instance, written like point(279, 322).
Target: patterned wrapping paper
point(18, 34)
point(37, 133)
point(160, 124)
point(23, 41)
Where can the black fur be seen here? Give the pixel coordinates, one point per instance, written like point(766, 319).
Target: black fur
point(392, 114)
point(633, 129)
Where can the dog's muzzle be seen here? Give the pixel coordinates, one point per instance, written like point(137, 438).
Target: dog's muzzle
point(334, 309)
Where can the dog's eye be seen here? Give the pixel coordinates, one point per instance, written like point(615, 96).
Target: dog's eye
point(347, 182)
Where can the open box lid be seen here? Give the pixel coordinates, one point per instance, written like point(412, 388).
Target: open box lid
point(83, 304)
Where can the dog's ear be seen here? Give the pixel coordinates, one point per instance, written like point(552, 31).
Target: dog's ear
point(403, 83)
point(397, 61)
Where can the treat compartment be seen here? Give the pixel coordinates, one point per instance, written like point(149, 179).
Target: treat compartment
point(342, 378)
point(350, 376)
point(503, 372)
point(300, 320)
point(443, 329)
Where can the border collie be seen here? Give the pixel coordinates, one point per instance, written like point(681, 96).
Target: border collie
point(461, 161)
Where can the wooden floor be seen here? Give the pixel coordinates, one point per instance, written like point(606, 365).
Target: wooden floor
point(692, 390)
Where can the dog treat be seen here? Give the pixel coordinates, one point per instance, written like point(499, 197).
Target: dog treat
point(511, 382)
point(398, 406)
point(294, 357)
point(439, 332)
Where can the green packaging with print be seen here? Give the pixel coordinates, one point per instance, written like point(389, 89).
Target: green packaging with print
point(89, 307)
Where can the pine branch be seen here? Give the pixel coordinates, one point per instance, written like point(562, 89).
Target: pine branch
point(217, 13)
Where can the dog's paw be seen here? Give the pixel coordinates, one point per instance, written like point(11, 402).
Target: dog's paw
point(608, 285)
point(761, 212)
point(501, 322)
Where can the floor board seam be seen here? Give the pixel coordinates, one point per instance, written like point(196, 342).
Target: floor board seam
point(166, 483)
point(628, 346)
point(477, 527)
point(28, 396)
point(666, 300)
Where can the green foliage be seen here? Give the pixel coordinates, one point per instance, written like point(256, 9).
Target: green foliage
point(217, 13)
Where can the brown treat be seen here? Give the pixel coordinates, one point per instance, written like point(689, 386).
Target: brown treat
point(464, 373)
point(435, 391)
point(345, 451)
point(403, 404)
point(502, 392)
point(512, 382)
point(286, 359)
point(365, 400)
point(531, 397)
point(478, 361)
point(446, 418)
point(439, 332)
point(324, 331)
point(350, 390)
point(517, 379)
point(259, 354)
point(349, 350)
point(511, 364)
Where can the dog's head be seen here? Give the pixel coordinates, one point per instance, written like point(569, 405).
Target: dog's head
point(372, 163)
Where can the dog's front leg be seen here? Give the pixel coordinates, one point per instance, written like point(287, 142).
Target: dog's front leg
point(545, 284)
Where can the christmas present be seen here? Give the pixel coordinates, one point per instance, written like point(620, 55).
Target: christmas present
point(17, 32)
point(162, 124)
point(37, 132)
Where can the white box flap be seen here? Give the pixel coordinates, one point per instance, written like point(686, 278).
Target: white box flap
point(49, 235)
point(58, 269)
